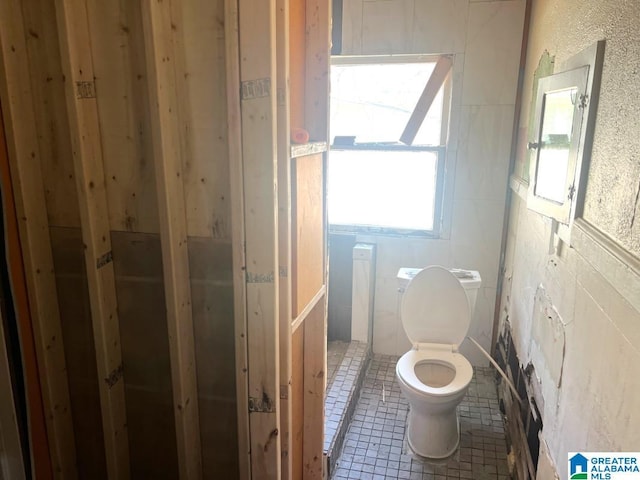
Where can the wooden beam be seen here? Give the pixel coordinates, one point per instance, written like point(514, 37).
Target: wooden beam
point(234, 135)
point(232, 50)
point(42, 468)
point(84, 128)
point(258, 103)
point(318, 55)
point(26, 177)
point(161, 75)
point(284, 234)
point(431, 89)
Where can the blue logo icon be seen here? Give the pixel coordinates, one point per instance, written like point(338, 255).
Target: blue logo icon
point(578, 467)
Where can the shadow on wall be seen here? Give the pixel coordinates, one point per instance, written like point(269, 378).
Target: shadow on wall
point(340, 286)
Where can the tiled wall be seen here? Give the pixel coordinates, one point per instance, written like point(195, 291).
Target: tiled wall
point(486, 40)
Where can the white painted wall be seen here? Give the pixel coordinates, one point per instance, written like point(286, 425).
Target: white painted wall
point(486, 40)
point(583, 334)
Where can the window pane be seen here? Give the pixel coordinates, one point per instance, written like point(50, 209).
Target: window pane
point(374, 102)
point(383, 189)
point(555, 144)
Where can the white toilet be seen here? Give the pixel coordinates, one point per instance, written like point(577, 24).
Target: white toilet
point(436, 312)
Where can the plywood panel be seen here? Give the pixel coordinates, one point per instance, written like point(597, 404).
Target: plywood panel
point(308, 230)
point(315, 367)
point(297, 400)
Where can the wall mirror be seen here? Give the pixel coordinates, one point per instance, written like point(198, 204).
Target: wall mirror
point(564, 121)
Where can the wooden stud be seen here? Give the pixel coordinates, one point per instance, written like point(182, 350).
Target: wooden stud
point(161, 74)
point(80, 93)
point(318, 55)
point(431, 89)
point(284, 230)
point(26, 177)
point(258, 103)
point(42, 468)
point(234, 135)
point(284, 234)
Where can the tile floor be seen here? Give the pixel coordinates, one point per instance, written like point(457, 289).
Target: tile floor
point(346, 367)
point(375, 446)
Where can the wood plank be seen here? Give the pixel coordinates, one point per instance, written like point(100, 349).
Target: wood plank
point(117, 44)
point(47, 89)
point(37, 424)
point(28, 186)
point(258, 80)
point(297, 402)
point(315, 366)
point(297, 52)
point(318, 56)
point(284, 233)
point(299, 320)
point(234, 139)
point(80, 93)
point(158, 22)
point(431, 89)
point(308, 273)
point(308, 149)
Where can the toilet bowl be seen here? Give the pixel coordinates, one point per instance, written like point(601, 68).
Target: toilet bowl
point(436, 312)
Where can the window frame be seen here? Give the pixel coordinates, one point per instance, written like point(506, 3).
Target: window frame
point(439, 150)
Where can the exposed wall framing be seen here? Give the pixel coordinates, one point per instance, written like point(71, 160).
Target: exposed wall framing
point(163, 219)
point(28, 186)
point(161, 74)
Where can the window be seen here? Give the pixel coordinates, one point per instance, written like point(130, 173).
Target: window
point(376, 182)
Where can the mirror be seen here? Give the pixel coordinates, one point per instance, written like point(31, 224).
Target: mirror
point(559, 109)
point(555, 144)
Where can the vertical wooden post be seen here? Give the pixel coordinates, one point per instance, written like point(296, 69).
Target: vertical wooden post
point(26, 177)
point(236, 166)
point(258, 104)
point(318, 24)
point(284, 233)
point(161, 76)
point(80, 92)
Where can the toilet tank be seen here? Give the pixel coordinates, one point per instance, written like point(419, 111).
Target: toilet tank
point(470, 280)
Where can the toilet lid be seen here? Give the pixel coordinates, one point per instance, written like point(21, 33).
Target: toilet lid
point(435, 308)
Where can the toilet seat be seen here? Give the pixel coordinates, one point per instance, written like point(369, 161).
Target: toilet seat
point(435, 308)
point(405, 370)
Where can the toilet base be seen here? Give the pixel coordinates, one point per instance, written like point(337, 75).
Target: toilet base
point(434, 436)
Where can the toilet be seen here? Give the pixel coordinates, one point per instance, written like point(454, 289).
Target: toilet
point(436, 312)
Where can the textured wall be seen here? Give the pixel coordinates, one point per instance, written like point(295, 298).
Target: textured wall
point(565, 28)
point(486, 40)
point(575, 314)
